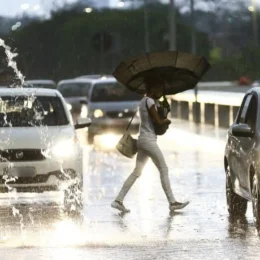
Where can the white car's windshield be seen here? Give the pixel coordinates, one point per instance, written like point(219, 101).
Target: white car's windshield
point(110, 92)
point(24, 111)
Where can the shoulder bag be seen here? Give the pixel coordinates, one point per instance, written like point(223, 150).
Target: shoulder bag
point(127, 145)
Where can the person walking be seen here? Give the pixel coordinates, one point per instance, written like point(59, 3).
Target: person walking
point(148, 147)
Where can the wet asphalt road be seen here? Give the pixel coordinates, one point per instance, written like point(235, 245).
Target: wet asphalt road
point(40, 230)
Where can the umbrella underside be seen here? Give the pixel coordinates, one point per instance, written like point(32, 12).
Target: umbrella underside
point(180, 71)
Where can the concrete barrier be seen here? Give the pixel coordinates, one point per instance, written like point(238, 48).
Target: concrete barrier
point(209, 114)
point(235, 112)
point(174, 108)
point(196, 112)
point(224, 116)
point(184, 107)
point(210, 107)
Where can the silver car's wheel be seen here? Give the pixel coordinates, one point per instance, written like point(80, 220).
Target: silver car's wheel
point(236, 205)
point(256, 202)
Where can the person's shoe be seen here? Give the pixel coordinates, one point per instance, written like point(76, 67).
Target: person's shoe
point(178, 205)
point(120, 206)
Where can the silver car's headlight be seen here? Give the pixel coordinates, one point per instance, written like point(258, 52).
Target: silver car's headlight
point(64, 148)
point(98, 113)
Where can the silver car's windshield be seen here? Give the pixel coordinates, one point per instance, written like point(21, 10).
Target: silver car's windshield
point(74, 89)
point(110, 92)
point(40, 85)
point(25, 111)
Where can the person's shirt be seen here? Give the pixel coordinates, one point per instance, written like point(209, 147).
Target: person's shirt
point(146, 128)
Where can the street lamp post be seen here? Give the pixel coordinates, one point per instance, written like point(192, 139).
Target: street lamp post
point(196, 108)
point(172, 25)
point(193, 29)
point(252, 8)
point(255, 27)
point(146, 28)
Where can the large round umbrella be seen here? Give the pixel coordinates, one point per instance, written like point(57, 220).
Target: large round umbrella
point(180, 71)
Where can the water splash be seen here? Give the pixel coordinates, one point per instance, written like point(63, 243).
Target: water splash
point(74, 193)
point(11, 63)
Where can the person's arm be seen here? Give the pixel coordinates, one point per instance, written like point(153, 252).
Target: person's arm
point(155, 116)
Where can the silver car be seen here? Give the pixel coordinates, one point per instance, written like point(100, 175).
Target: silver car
point(242, 158)
point(110, 106)
point(75, 92)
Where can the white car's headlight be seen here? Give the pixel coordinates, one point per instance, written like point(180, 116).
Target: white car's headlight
point(98, 113)
point(64, 148)
point(84, 111)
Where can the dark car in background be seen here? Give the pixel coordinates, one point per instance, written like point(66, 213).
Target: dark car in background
point(242, 157)
point(41, 83)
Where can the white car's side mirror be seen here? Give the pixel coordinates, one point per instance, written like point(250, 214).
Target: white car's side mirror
point(83, 122)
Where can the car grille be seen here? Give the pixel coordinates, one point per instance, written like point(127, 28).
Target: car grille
point(41, 178)
point(116, 114)
point(21, 155)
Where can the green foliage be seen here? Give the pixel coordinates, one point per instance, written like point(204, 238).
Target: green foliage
point(245, 63)
point(215, 55)
point(62, 46)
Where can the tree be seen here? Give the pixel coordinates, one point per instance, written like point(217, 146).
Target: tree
point(62, 47)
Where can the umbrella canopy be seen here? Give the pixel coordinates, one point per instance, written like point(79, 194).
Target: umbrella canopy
point(180, 71)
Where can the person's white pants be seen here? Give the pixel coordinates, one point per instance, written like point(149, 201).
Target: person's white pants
point(146, 150)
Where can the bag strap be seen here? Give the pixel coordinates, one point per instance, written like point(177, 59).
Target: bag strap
point(131, 120)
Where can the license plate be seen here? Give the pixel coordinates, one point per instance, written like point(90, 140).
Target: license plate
point(21, 171)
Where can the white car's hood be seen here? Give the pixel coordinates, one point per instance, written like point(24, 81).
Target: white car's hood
point(33, 137)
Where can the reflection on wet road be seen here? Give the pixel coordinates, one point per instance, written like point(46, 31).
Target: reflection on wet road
point(40, 230)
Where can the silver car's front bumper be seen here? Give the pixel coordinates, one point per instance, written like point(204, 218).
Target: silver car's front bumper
point(101, 125)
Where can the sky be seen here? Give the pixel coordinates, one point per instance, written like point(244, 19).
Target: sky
point(43, 7)
point(40, 7)
point(16, 7)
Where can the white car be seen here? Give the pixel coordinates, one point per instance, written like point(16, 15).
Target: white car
point(75, 92)
point(39, 150)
